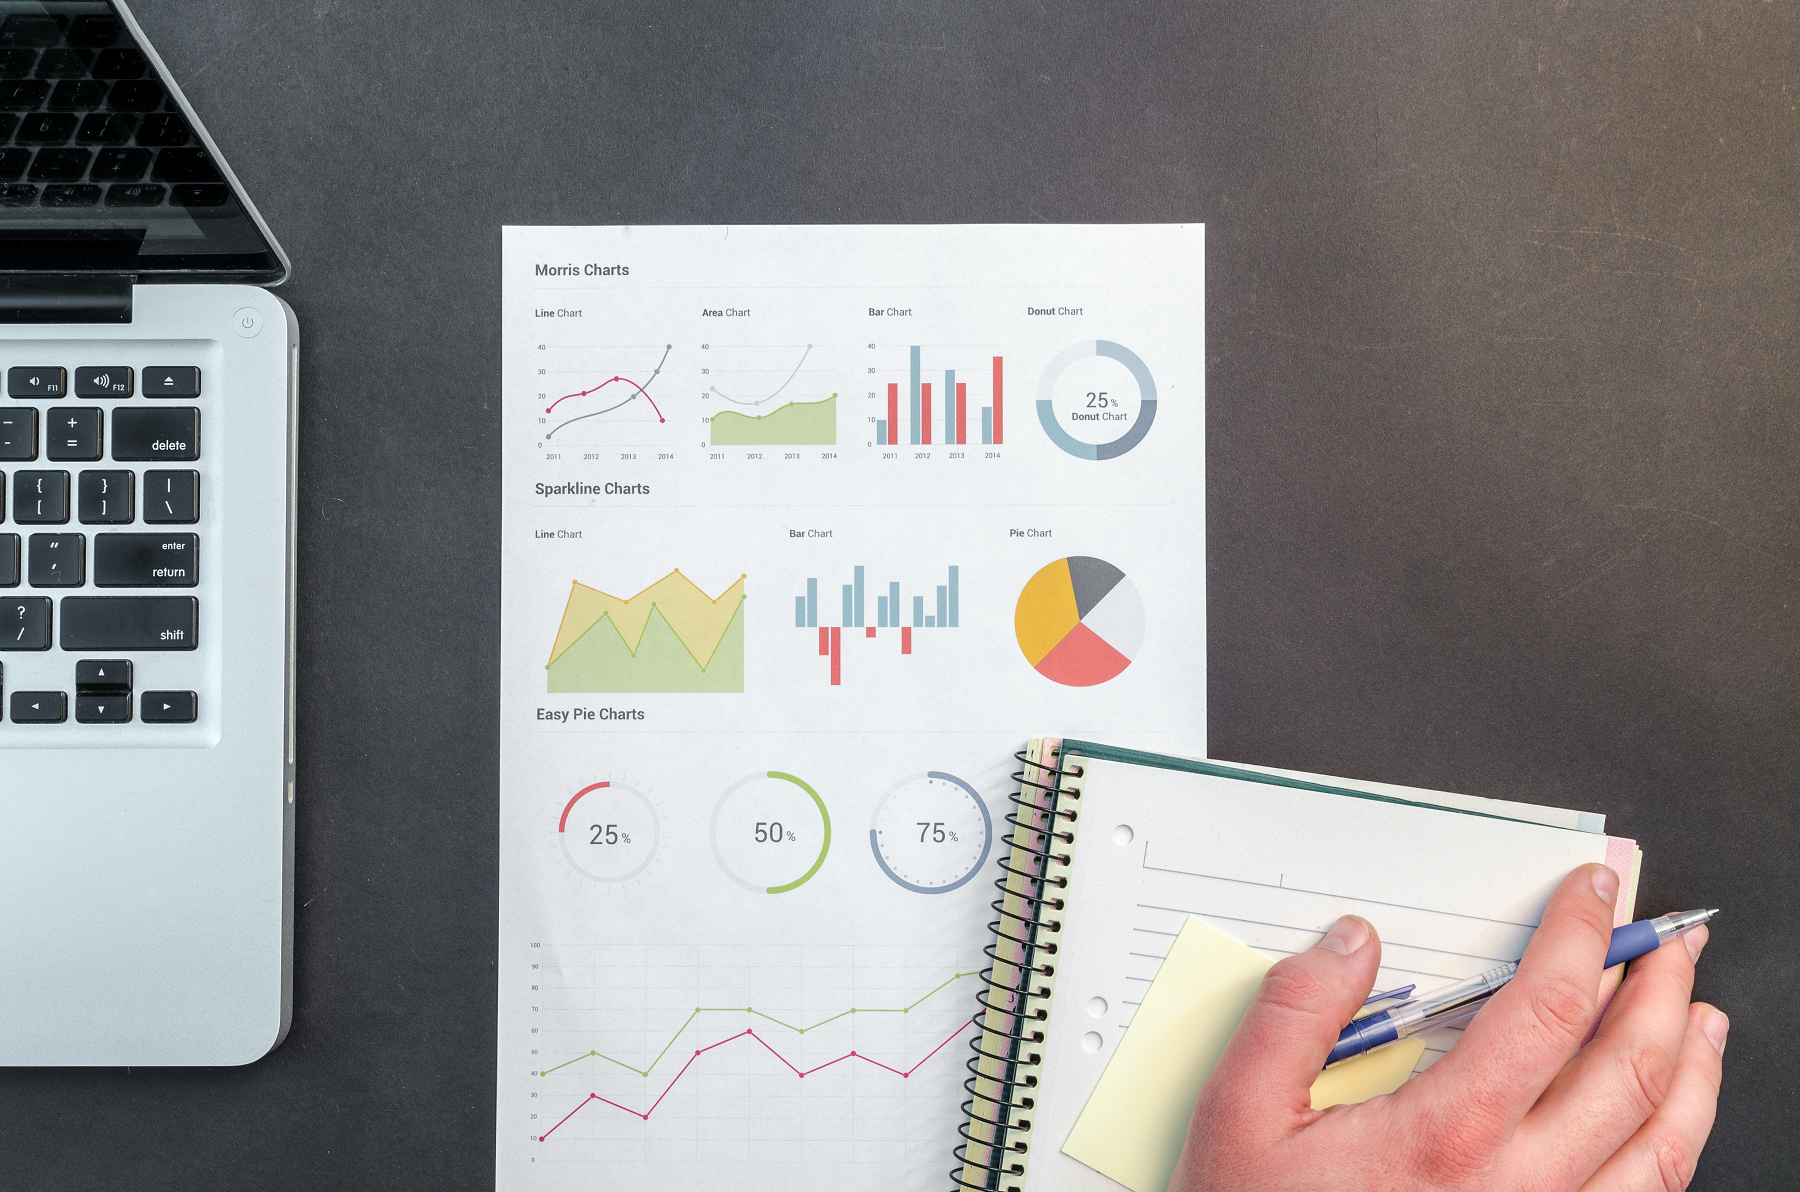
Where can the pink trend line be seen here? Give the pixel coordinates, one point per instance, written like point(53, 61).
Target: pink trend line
point(849, 1055)
point(646, 395)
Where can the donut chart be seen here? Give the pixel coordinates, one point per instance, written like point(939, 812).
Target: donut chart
point(1054, 395)
point(1079, 621)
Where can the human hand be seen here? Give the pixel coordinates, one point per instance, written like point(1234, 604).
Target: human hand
point(1517, 1104)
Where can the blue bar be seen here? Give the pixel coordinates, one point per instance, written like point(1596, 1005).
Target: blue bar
point(881, 432)
point(928, 622)
point(812, 604)
point(859, 598)
point(950, 406)
point(848, 597)
point(943, 616)
point(987, 424)
point(919, 612)
point(894, 613)
point(915, 395)
point(799, 612)
point(954, 612)
point(881, 621)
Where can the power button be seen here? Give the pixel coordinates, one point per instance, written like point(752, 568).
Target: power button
point(247, 321)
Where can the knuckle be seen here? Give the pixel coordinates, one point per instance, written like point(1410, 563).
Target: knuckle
point(1648, 1074)
point(1674, 1161)
point(1453, 1159)
point(1289, 986)
point(1560, 1005)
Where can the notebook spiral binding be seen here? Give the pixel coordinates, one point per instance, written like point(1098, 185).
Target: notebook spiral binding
point(1015, 998)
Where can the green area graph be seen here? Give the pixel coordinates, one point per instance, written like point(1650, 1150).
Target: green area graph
point(798, 423)
point(670, 637)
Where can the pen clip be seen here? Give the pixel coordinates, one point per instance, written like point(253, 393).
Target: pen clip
point(1405, 991)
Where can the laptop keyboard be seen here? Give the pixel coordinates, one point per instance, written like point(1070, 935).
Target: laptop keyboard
point(75, 575)
point(84, 123)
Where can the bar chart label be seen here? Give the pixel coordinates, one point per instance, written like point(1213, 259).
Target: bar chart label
point(1079, 621)
point(1097, 399)
point(770, 832)
point(931, 833)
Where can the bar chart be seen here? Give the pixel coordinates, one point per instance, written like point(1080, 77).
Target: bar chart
point(903, 612)
point(949, 419)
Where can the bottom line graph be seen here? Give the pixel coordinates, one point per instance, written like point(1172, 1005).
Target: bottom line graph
point(750, 1032)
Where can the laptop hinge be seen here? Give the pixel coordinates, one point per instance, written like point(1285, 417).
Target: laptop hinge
point(65, 298)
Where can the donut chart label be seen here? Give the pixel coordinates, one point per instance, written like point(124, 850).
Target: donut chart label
point(1079, 621)
point(1058, 401)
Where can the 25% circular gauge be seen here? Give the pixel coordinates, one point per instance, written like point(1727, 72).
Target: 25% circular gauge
point(771, 832)
point(608, 832)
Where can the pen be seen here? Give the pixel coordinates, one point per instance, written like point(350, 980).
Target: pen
point(1458, 1003)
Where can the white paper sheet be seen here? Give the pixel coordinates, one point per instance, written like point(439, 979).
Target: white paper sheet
point(679, 940)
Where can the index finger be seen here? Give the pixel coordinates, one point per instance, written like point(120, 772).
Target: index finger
point(1519, 1042)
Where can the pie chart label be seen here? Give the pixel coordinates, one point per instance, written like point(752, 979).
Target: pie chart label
point(1074, 394)
point(1079, 621)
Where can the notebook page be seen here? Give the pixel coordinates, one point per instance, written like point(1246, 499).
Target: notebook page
point(1451, 894)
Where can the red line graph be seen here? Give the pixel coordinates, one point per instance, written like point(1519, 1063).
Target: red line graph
point(597, 388)
point(751, 1034)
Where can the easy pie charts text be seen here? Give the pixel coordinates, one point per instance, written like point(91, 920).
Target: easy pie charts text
point(1079, 621)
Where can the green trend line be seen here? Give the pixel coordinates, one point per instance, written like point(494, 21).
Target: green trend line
point(799, 1030)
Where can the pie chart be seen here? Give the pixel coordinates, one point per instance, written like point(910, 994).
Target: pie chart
point(1079, 621)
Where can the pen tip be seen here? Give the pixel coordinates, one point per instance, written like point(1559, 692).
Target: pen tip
point(1713, 911)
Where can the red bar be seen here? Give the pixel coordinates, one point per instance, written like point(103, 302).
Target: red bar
point(906, 639)
point(824, 641)
point(837, 670)
point(998, 421)
point(871, 632)
point(893, 414)
point(925, 412)
point(962, 410)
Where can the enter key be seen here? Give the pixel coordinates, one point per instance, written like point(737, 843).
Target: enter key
point(146, 560)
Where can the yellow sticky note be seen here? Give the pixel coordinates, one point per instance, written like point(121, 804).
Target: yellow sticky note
point(1135, 1121)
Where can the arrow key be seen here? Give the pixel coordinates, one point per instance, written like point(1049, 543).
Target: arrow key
point(168, 707)
point(39, 707)
point(103, 709)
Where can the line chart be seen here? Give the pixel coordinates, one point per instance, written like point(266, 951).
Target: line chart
point(799, 1030)
point(642, 391)
point(750, 1032)
point(784, 384)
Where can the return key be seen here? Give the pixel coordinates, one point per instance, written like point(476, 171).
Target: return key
point(146, 560)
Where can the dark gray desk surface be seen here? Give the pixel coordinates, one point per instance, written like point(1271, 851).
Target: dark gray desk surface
point(1501, 451)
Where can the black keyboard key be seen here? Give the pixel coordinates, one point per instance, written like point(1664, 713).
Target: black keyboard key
point(95, 30)
point(146, 560)
point(40, 498)
point(91, 623)
point(47, 128)
point(37, 381)
point(9, 561)
point(25, 623)
point(63, 64)
point(102, 676)
point(120, 165)
point(18, 194)
point(168, 707)
point(18, 436)
point(119, 64)
point(40, 707)
point(104, 498)
point(104, 128)
point(8, 122)
point(74, 434)
point(171, 498)
point(135, 194)
point(184, 165)
point(103, 709)
point(199, 196)
point(13, 161)
point(172, 382)
point(135, 97)
point(30, 29)
point(59, 165)
point(17, 64)
point(152, 434)
point(23, 95)
point(164, 128)
point(110, 381)
point(76, 96)
point(58, 561)
point(66, 195)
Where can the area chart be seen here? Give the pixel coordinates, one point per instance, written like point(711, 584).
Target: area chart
point(670, 637)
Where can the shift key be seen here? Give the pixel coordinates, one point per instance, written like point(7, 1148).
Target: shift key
point(156, 434)
point(93, 623)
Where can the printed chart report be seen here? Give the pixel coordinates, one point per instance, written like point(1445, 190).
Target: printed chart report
point(806, 531)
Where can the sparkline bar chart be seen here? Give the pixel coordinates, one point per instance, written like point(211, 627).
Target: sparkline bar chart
point(890, 613)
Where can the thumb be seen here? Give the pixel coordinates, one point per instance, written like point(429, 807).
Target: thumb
point(1266, 1072)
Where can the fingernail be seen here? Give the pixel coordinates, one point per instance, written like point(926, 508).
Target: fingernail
point(1606, 885)
point(1695, 941)
point(1347, 935)
point(1715, 1024)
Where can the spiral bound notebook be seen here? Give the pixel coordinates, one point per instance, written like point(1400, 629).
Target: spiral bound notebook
point(1114, 852)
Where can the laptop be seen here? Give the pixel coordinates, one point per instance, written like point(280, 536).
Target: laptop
point(146, 566)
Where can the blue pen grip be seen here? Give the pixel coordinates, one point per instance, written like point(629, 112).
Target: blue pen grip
point(1631, 941)
point(1364, 1034)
